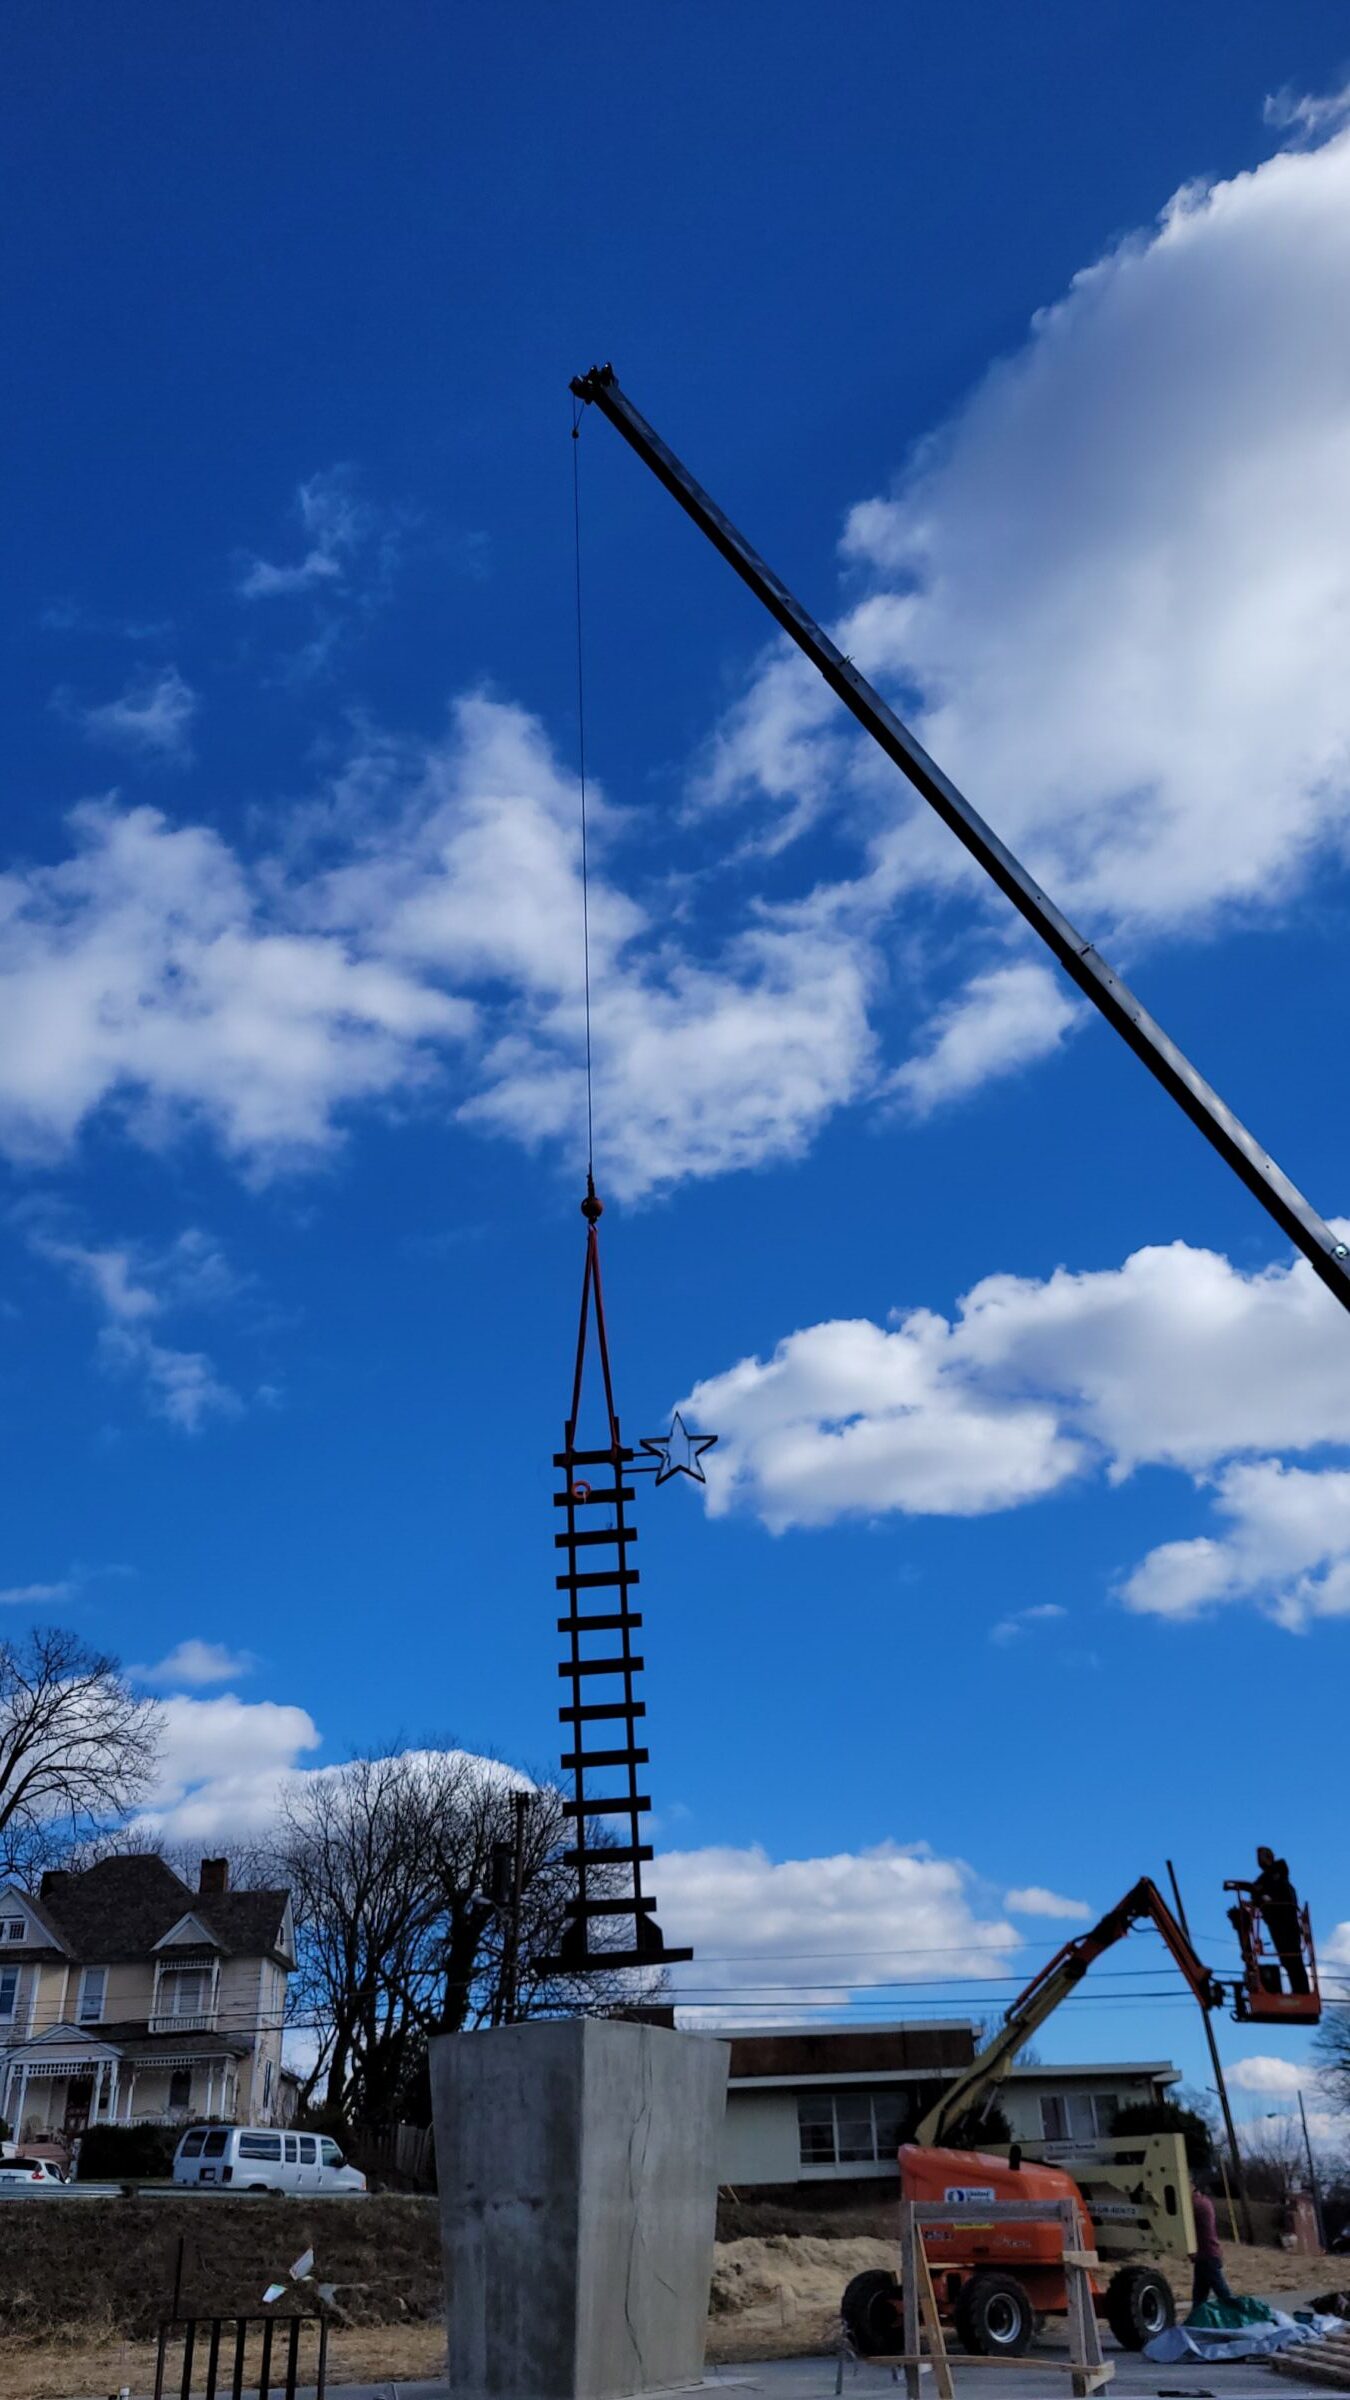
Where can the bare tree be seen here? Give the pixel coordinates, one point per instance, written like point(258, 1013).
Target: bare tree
point(403, 1929)
point(76, 1745)
point(1274, 2161)
point(1331, 2049)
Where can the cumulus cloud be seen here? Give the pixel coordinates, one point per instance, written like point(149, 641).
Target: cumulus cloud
point(424, 942)
point(1112, 592)
point(1033, 1900)
point(1279, 2077)
point(864, 1917)
point(152, 718)
point(223, 1764)
point(1177, 1358)
point(197, 1664)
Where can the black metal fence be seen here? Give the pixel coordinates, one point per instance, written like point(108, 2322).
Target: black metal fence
point(216, 2358)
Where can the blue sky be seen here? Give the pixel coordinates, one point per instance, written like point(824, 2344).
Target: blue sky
point(1017, 344)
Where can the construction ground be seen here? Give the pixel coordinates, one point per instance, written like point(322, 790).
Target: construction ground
point(773, 2327)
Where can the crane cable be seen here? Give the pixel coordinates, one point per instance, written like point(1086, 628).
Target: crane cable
point(581, 773)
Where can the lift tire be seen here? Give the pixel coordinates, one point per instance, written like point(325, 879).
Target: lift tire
point(873, 2313)
point(994, 2316)
point(1139, 2303)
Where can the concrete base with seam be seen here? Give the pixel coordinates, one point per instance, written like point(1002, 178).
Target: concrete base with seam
point(577, 2163)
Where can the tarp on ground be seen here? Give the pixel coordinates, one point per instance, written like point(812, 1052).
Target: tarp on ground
point(1246, 2337)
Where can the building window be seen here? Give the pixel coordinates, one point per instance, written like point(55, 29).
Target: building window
point(92, 1988)
point(13, 1928)
point(185, 1992)
point(180, 2088)
point(9, 1995)
point(849, 2128)
point(267, 2085)
point(1077, 2116)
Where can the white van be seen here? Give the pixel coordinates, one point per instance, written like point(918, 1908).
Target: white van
point(259, 2158)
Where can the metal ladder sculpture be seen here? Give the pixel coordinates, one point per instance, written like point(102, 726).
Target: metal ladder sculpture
point(596, 1542)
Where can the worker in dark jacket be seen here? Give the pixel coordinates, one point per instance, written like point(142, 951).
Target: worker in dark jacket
point(1209, 2281)
point(1274, 1895)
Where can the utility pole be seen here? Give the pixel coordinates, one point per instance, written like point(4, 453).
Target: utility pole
point(521, 1802)
point(1312, 2175)
point(1219, 2085)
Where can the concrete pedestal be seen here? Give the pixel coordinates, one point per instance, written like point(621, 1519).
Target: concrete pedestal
point(577, 2164)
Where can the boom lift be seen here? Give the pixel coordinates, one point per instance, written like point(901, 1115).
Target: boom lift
point(1132, 2194)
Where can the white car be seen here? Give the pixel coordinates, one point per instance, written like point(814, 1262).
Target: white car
point(260, 2158)
point(17, 2172)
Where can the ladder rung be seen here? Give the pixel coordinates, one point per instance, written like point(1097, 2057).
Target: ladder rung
point(601, 1579)
point(583, 1759)
point(592, 1458)
point(629, 1958)
point(596, 1533)
point(614, 1624)
point(627, 1804)
point(588, 1709)
point(607, 1494)
point(629, 1907)
point(632, 1856)
point(600, 1666)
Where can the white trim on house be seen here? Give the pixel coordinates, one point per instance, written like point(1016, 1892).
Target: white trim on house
point(190, 1933)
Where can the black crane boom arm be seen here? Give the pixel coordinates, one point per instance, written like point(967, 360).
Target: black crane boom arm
point(1297, 1219)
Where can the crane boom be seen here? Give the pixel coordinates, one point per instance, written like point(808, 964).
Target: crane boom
point(1054, 1982)
point(1328, 1256)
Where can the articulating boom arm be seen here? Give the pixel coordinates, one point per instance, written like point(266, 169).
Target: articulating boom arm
point(1296, 1218)
point(1045, 1991)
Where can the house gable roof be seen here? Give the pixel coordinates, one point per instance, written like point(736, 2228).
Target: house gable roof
point(125, 1907)
point(190, 1933)
point(41, 1933)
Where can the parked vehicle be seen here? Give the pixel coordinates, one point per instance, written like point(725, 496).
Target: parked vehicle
point(19, 2170)
point(261, 2158)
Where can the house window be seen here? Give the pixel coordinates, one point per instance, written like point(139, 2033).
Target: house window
point(180, 2088)
point(13, 1928)
point(849, 2128)
point(1077, 2116)
point(9, 1995)
point(267, 2084)
point(185, 1992)
point(93, 1985)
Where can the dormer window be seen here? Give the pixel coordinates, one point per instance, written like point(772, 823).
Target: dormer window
point(93, 1985)
point(185, 1992)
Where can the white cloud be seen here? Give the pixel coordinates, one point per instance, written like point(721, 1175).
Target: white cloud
point(1288, 1539)
point(1336, 1950)
point(196, 1663)
point(800, 1932)
point(152, 718)
point(151, 972)
point(1113, 594)
point(182, 1386)
point(1033, 1900)
point(1012, 1628)
point(997, 1024)
point(223, 1765)
point(36, 1595)
point(334, 526)
point(1177, 1358)
point(156, 974)
point(1280, 2077)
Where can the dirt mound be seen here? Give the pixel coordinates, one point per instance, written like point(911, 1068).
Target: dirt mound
point(777, 2295)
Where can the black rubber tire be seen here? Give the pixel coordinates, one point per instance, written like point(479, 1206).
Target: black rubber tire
point(994, 2316)
point(873, 2313)
point(1139, 2303)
